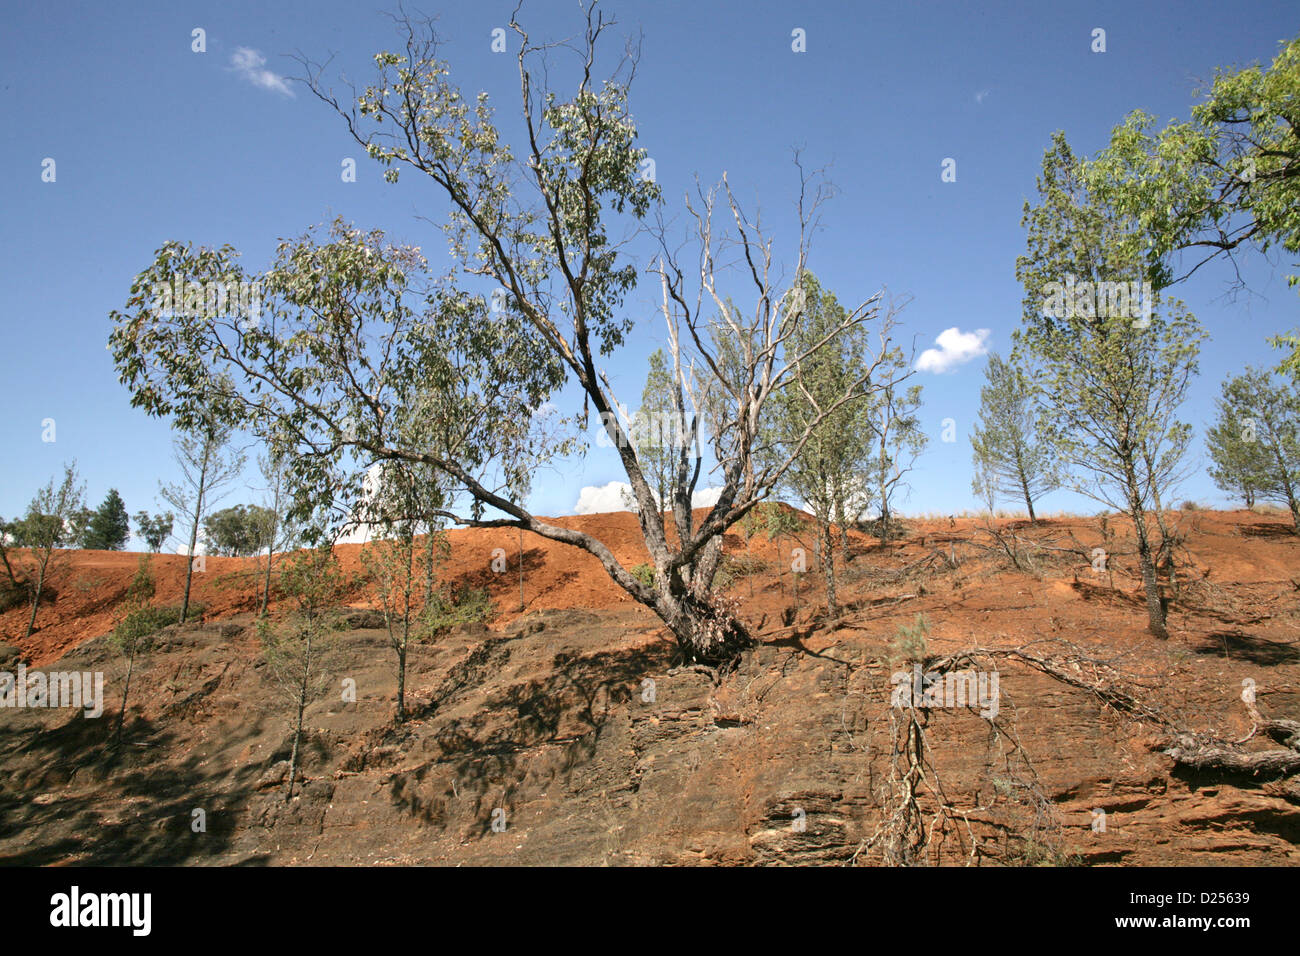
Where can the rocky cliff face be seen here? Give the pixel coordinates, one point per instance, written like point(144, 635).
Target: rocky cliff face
point(569, 737)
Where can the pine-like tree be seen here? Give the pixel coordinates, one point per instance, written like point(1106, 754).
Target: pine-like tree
point(1009, 458)
point(1255, 442)
point(109, 526)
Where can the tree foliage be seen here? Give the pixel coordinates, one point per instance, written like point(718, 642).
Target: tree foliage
point(828, 476)
point(1227, 178)
point(898, 438)
point(109, 527)
point(300, 649)
point(239, 531)
point(1008, 458)
point(154, 529)
point(46, 527)
point(353, 328)
point(1255, 440)
point(1108, 384)
point(207, 463)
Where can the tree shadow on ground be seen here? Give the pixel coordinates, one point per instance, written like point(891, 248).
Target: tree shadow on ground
point(89, 803)
point(565, 709)
point(1238, 646)
point(1267, 529)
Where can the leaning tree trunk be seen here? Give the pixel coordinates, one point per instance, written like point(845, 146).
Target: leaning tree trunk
point(4, 556)
point(266, 584)
point(401, 678)
point(270, 557)
point(36, 600)
point(1029, 499)
point(194, 531)
point(126, 691)
point(428, 567)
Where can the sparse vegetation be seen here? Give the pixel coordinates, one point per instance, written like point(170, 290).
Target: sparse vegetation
point(979, 689)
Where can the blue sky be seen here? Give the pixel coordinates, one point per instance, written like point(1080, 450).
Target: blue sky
point(153, 141)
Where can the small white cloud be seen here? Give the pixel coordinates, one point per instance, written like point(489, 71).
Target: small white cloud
point(249, 64)
point(617, 496)
point(981, 96)
point(598, 499)
point(955, 348)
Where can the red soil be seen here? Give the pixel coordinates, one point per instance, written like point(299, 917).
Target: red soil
point(90, 586)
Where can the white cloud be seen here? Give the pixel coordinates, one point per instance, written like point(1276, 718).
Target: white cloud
point(598, 499)
point(249, 64)
point(955, 348)
point(706, 497)
point(981, 96)
point(617, 495)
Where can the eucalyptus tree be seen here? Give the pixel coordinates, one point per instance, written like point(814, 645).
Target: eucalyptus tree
point(1224, 180)
point(1008, 457)
point(392, 560)
point(154, 529)
point(827, 472)
point(47, 527)
point(208, 464)
point(898, 438)
point(1108, 378)
point(300, 649)
point(653, 430)
point(353, 327)
point(276, 532)
point(1255, 441)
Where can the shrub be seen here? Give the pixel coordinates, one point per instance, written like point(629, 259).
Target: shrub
point(448, 610)
point(13, 595)
point(145, 621)
point(644, 573)
point(1190, 506)
point(910, 644)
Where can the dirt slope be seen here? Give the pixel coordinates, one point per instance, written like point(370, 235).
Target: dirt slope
point(549, 721)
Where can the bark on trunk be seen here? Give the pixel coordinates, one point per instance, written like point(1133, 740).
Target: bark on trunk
point(1150, 586)
point(189, 566)
point(4, 555)
point(36, 602)
point(1029, 500)
point(293, 755)
point(705, 633)
point(428, 568)
point(828, 566)
point(266, 584)
point(1289, 487)
point(401, 682)
point(302, 706)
